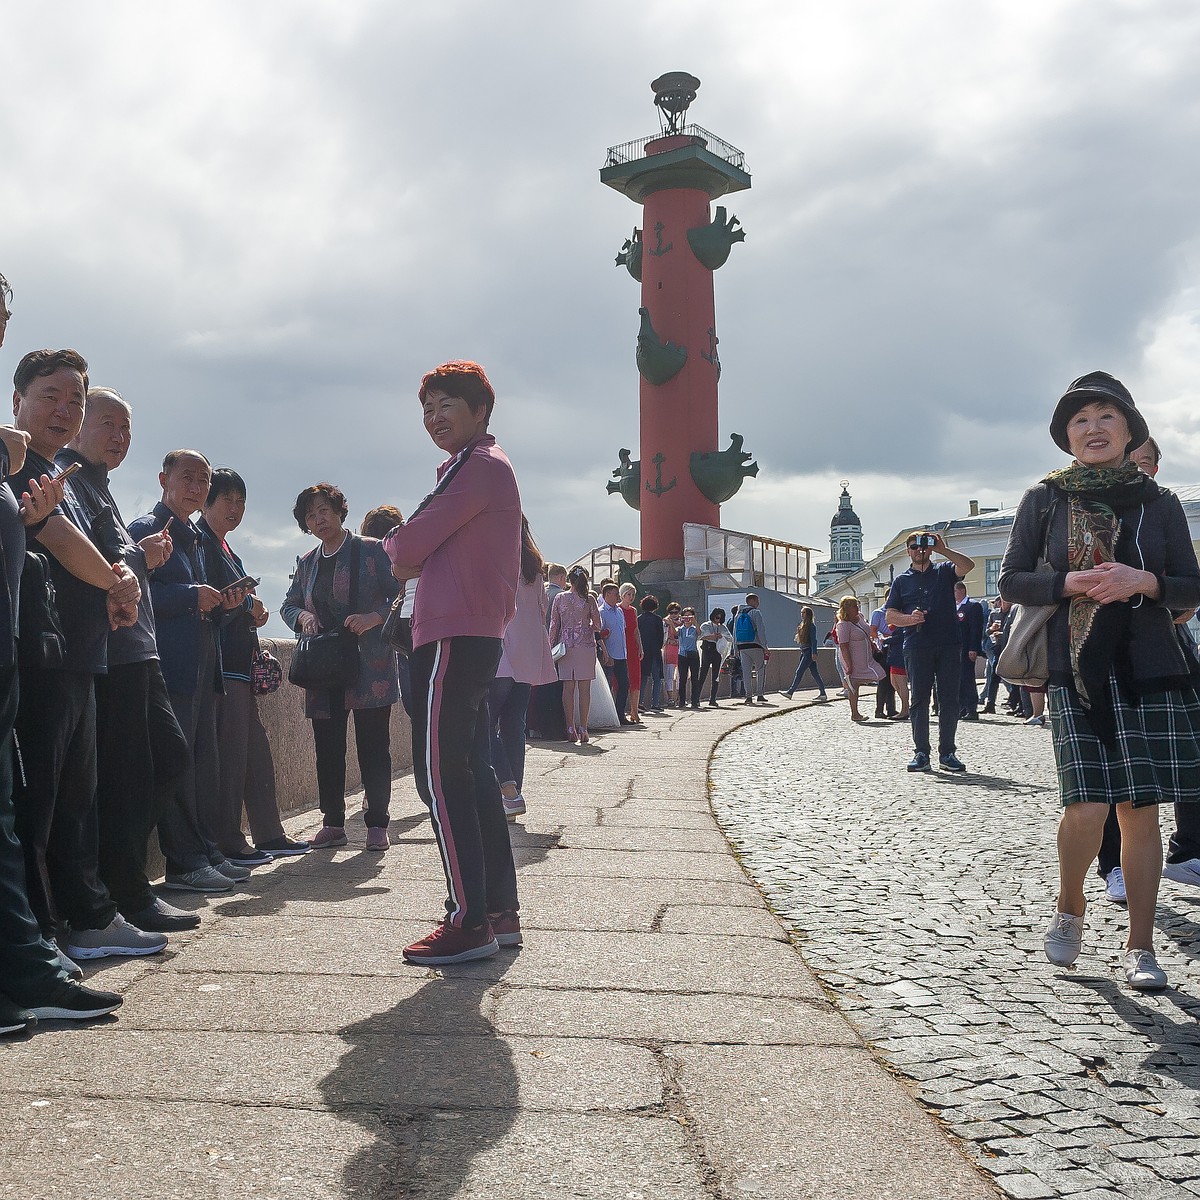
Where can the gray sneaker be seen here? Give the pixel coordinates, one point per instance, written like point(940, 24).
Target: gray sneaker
point(232, 871)
point(1143, 972)
point(117, 938)
point(1064, 939)
point(202, 879)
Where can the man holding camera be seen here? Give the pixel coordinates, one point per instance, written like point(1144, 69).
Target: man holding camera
point(921, 603)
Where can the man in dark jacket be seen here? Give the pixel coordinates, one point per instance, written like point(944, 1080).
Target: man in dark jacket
point(33, 981)
point(186, 611)
point(56, 720)
point(970, 616)
point(140, 749)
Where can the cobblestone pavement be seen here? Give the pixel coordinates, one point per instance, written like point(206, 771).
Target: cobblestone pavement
point(921, 900)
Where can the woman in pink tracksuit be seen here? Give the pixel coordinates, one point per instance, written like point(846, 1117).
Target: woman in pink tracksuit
point(464, 542)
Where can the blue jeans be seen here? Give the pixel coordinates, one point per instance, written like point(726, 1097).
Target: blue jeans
point(652, 680)
point(924, 665)
point(507, 703)
point(808, 662)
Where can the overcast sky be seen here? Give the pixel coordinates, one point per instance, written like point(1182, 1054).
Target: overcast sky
point(262, 222)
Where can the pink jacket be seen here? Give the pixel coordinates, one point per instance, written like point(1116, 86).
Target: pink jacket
point(466, 538)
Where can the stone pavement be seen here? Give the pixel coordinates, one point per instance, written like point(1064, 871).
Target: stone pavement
point(658, 1037)
point(921, 901)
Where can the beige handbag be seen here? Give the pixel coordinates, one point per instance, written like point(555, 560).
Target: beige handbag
point(1025, 659)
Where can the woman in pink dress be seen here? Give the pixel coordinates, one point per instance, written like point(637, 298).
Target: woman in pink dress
point(574, 623)
point(854, 645)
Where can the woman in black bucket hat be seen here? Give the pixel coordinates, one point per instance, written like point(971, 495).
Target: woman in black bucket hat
point(1122, 701)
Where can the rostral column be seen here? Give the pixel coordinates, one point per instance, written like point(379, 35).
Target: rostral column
point(681, 476)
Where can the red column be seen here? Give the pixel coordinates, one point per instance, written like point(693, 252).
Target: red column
point(679, 416)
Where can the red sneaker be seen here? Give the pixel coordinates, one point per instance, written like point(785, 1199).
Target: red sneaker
point(507, 927)
point(446, 944)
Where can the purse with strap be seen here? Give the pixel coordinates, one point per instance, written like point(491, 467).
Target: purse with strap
point(1025, 659)
point(329, 661)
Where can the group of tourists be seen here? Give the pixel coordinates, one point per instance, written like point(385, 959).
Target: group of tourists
point(130, 672)
point(649, 661)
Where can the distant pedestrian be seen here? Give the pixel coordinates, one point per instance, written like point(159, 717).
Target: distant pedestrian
point(574, 623)
point(689, 658)
point(855, 646)
point(921, 602)
point(806, 639)
point(633, 647)
point(651, 631)
point(750, 634)
point(714, 634)
point(671, 624)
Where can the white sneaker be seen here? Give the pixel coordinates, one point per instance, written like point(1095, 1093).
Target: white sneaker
point(1143, 972)
point(841, 692)
point(1114, 886)
point(1040, 722)
point(515, 807)
point(1064, 939)
point(1184, 872)
point(117, 938)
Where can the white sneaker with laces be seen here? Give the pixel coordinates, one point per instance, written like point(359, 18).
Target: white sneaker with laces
point(1184, 872)
point(1114, 886)
point(1064, 939)
point(1143, 972)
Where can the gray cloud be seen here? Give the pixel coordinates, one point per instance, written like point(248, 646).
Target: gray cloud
point(264, 223)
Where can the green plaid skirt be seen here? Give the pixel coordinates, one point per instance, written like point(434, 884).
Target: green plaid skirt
point(1156, 759)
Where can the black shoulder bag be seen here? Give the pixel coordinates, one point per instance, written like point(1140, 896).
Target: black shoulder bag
point(40, 636)
point(329, 661)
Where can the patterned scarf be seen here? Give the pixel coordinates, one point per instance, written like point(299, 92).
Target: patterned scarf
point(1096, 631)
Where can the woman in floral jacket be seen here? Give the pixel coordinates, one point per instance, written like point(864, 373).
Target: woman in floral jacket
point(319, 600)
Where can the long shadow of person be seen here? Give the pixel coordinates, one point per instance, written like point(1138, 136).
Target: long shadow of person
point(432, 1084)
point(431, 1080)
point(1172, 1047)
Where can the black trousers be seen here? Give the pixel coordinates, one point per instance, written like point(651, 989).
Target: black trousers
point(1184, 843)
point(618, 675)
point(451, 732)
point(925, 664)
point(968, 691)
point(689, 665)
point(710, 660)
point(56, 803)
point(885, 696)
point(372, 739)
point(141, 754)
point(28, 964)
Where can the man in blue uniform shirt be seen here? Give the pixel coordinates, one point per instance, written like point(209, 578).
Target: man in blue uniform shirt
point(921, 602)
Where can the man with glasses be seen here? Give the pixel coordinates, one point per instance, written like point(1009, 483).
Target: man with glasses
point(921, 603)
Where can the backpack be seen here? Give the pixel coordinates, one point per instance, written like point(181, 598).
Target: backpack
point(743, 629)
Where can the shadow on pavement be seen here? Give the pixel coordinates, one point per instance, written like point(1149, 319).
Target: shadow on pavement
point(1174, 1045)
point(432, 1083)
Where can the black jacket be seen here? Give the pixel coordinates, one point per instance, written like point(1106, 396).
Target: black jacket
point(1153, 537)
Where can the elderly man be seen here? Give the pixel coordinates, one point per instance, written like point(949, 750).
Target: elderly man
point(140, 748)
point(56, 720)
point(34, 983)
point(186, 610)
